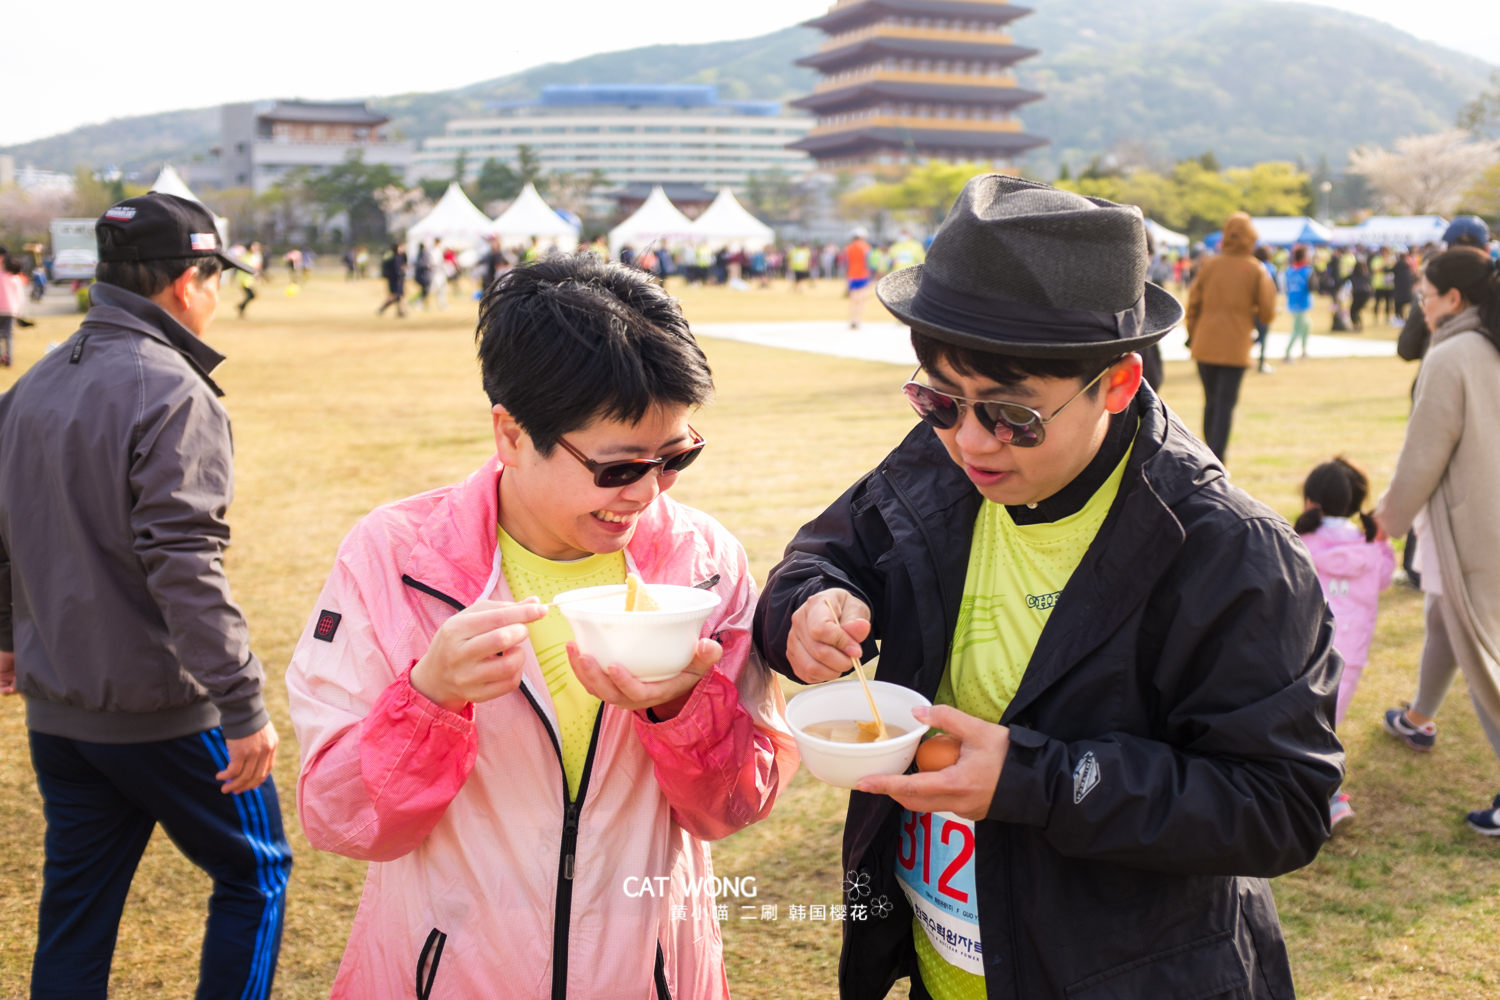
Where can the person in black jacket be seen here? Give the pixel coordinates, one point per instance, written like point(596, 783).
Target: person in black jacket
point(1147, 730)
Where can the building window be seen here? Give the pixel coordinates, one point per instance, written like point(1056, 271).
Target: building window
point(520, 131)
point(552, 129)
point(585, 128)
point(622, 128)
point(657, 128)
point(692, 128)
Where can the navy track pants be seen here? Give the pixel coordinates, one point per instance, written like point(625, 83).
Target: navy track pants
point(101, 802)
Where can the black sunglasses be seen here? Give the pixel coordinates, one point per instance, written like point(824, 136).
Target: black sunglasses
point(613, 475)
point(1012, 423)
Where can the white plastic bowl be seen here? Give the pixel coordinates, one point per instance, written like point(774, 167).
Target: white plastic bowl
point(843, 764)
point(652, 645)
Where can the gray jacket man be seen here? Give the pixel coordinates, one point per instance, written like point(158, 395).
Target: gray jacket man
point(130, 635)
point(143, 701)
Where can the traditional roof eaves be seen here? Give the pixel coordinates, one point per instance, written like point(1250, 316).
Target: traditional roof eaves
point(852, 142)
point(851, 15)
point(880, 46)
point(860, 94)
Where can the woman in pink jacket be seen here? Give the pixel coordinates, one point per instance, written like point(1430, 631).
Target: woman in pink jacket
point(1354, 565)
point(536, 821)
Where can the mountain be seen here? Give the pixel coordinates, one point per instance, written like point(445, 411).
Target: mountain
point(1249, 79)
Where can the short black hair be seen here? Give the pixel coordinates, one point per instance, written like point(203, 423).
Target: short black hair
point(570, 339)
point(1005, 369)
point(147, 277)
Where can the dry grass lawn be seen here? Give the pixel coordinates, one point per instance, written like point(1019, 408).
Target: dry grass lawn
point(335, 412)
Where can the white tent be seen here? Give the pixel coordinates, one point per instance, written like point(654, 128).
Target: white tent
point(530, 216)
point(656, 220)
point(1387, 230)
point(169, 181)
point(1163, 236)
point(726, 222)
point(1283, 231)
point(454, 220)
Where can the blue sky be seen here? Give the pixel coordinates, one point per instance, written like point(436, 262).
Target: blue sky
point(104, 60)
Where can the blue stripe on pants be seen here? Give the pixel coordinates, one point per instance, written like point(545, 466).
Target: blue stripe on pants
point(101, 803)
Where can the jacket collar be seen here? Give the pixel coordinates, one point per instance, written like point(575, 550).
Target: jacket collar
point(1460, 322)
point(931, 517)
point(114, 306)
point(455, 550)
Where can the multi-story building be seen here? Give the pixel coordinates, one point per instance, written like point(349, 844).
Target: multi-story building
point(678, 133)
point(913, 80)
point(262, 142)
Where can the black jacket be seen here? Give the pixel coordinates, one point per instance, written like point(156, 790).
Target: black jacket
point(1190, 653)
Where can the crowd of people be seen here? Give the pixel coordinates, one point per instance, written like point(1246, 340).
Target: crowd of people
point(1143, 668)
point(800, 263)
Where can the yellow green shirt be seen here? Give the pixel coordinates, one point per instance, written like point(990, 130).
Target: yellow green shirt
point(529, 574)
point(1016, 573)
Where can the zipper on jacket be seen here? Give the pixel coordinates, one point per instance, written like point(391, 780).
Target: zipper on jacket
point(567, 859)
point(567, 856)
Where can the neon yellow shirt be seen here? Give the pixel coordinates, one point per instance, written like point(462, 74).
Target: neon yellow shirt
point(529, 574)
point(1016, 573)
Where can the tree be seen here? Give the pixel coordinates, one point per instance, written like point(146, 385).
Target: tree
point(925, 193)
point(91, 194)
point(1197, 200)
point(1272, 188)
point(351, 187)
point(1484, 197)
point(774, 197)
point(529, 168)
point(497, 182)
point(1425, 174)
point(1481, 116)
point(573, 192)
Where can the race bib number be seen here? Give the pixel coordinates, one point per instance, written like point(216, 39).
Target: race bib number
point(935, 865)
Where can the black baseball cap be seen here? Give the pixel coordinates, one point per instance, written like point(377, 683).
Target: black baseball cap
point(159, 226)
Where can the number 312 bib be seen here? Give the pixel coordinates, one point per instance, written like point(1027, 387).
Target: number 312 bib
point(935, 865)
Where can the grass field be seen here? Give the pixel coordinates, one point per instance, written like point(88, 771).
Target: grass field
point(335, 411)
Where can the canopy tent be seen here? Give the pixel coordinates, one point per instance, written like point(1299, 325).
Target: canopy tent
point(454, 220)
point(169, 181)
point(1281, 231)
point(529, 216)
point(656, 220)
point(1388, 230)
point(726, 222)
point(1163, 236)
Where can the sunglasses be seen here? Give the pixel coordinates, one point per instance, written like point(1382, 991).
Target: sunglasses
point(613, 475)
point(1011, 423)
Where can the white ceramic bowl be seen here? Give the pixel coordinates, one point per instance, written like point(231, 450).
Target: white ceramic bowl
point(843, 764)
point(653, 645)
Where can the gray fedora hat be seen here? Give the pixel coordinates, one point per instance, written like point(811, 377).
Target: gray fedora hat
point(1025, 269)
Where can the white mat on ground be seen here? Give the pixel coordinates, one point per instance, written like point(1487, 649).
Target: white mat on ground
point(891, 342)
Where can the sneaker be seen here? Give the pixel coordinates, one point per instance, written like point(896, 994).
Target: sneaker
point(1487, 821)
point(1339, 810)
point(1266, 370)
point(1420, 738)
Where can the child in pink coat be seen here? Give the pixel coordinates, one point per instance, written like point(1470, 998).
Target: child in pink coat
point(1353, 565)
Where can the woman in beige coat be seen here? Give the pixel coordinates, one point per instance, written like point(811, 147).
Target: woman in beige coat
point(1231, 293)
point(1446, 481)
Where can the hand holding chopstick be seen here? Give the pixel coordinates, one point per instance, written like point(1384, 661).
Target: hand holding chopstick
point(881, 733)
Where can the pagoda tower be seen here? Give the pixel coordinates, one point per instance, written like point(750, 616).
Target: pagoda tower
point(912, 80)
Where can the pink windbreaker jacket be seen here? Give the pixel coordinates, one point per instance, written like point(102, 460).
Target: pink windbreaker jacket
point(1353, 572)
point(486, 882)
